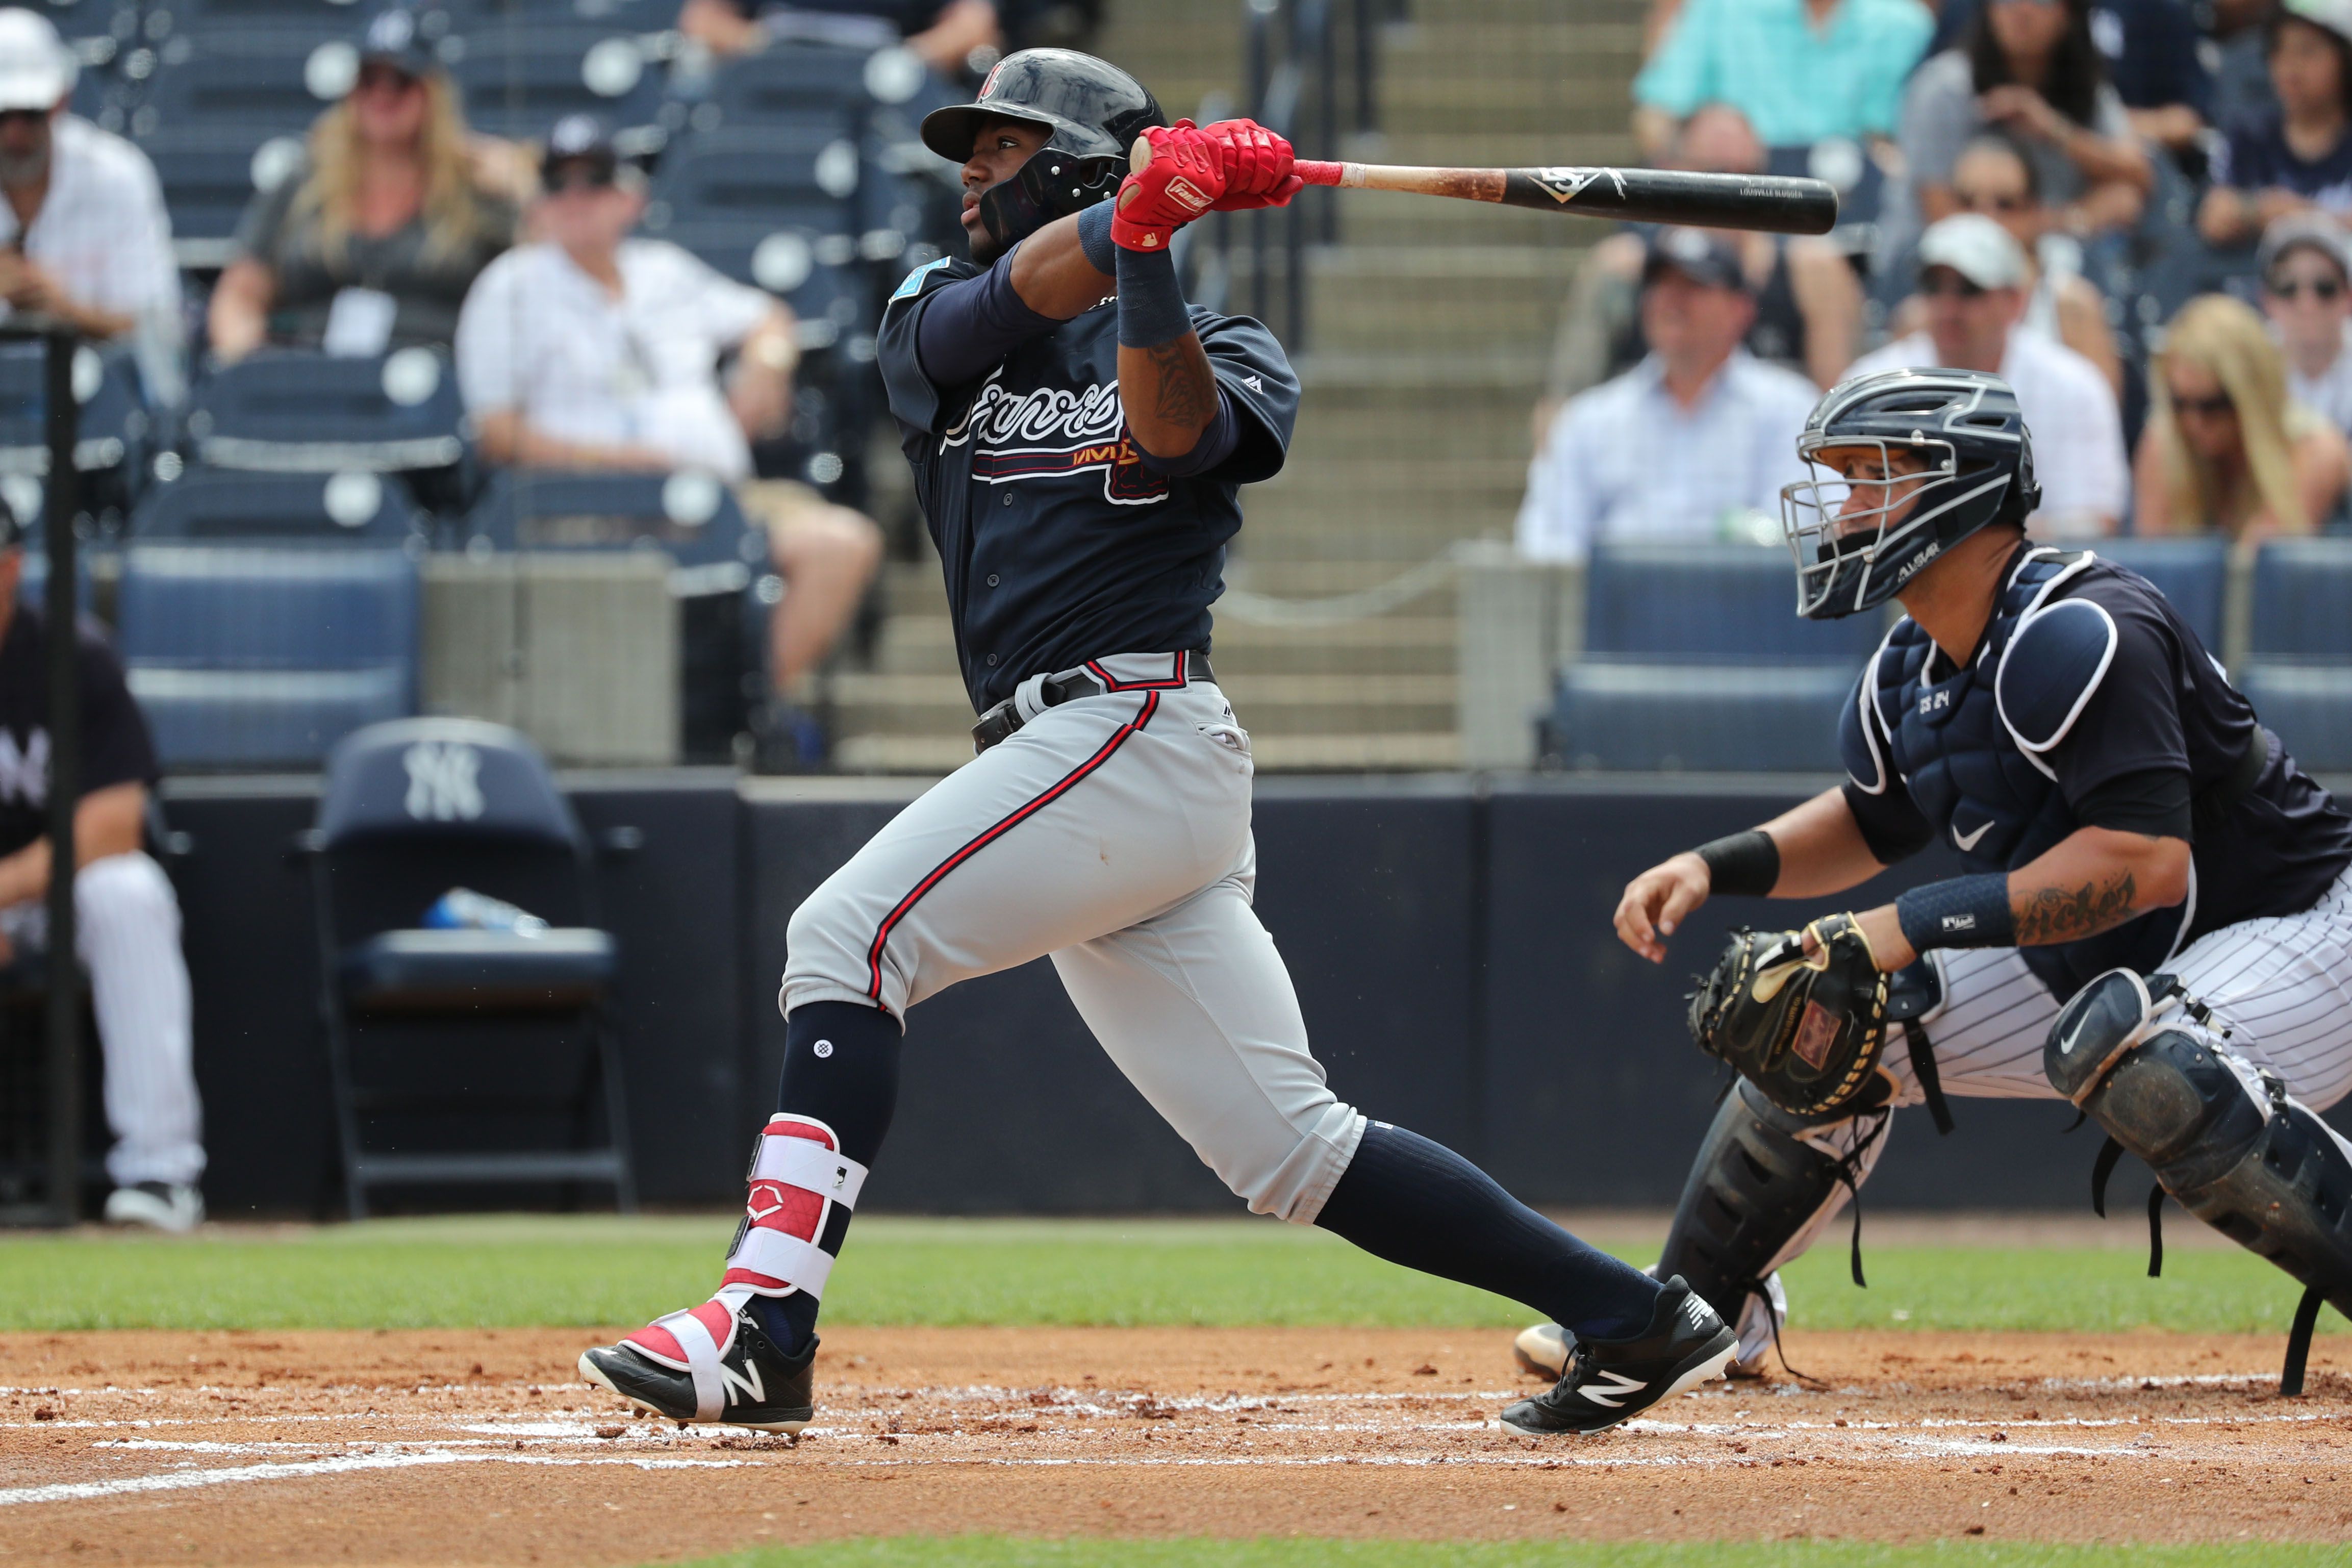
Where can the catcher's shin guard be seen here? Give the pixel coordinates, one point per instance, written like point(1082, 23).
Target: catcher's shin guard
point(2224, 1139)
point(1756, 1184)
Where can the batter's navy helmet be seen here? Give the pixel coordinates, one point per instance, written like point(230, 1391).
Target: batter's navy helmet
point(1931, 456)
point(1093, 111)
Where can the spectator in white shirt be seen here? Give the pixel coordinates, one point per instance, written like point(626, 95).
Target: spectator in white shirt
point(83, 233)
point(1973, 277)
point(1692, 444)
point(591, 349)
point(2306, 271)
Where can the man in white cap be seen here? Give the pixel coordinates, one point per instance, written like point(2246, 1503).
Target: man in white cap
point(2306, 271)
point(1973, 277)
point(83, 233)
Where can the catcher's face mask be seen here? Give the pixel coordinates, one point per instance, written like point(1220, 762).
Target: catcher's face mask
point(1864, 522)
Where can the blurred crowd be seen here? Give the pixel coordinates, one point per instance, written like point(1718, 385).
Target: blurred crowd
point(2135, 211)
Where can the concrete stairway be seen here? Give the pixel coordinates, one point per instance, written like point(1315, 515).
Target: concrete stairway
point(1430, 324)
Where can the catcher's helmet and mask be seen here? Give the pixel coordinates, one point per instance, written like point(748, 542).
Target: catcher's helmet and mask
point(1857, 543)
point(1095, 111)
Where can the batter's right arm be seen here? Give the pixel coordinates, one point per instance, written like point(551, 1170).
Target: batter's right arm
point(1811, 850)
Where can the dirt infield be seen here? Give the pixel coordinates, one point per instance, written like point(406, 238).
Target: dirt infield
point(447, 1447)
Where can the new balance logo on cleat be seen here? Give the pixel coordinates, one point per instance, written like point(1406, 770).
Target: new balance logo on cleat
point(679, 1368)
point(1609, 1381)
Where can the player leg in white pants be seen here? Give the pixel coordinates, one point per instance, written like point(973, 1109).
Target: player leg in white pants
point(2281, 986)
point(127, 928)
point(1113, 833)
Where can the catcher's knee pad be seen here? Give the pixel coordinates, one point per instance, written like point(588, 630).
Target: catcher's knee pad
point(2224, 1139)
point(1756, 1183)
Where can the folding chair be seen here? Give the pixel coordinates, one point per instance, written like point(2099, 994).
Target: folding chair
point(410, 810)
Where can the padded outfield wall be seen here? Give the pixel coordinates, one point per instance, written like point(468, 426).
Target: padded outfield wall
point(1449, 937)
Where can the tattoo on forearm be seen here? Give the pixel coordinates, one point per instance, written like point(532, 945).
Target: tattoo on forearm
point(2068, 914)
point(1188, 388)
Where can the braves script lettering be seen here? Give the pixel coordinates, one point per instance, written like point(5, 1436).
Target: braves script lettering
point(1051, 432)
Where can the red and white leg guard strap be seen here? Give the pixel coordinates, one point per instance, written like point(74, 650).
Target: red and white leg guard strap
point(798, 1174)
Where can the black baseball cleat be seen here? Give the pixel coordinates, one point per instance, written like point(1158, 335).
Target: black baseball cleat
point(1609, 1380)
point(679, 1369)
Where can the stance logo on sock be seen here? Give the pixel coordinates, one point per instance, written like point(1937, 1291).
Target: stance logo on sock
point(822, 1050)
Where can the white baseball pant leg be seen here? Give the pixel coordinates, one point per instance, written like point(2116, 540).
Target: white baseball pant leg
point(2280, 986)
point(1112, 833)
point(127, 929)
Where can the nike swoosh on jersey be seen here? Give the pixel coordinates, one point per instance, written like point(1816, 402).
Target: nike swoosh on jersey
point(1968, 841)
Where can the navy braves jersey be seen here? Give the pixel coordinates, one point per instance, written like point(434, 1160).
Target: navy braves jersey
point(1059, 542)
point(2088, 702)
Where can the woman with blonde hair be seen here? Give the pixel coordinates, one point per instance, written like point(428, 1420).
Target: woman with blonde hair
point(2225, 449)
point(373, 242)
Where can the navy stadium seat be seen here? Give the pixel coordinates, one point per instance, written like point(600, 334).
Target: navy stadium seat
point(2191, 573)
point(1752, 717)
point(518, 78)
point(410, 810)
point(225, 505)
point(2307, 705)
point(262, 80)
point(692, 516)
point(2303, 599)
point(210, 177)
point(775, 206)
point(293, 410)
point(1711, 601)
point(265, 655)
point(114, 431)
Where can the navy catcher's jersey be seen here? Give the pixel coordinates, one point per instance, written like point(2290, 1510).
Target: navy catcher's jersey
point(1059, 544)
point(2085, 679)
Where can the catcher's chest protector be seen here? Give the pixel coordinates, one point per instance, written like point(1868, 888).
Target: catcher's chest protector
point(1993, 802)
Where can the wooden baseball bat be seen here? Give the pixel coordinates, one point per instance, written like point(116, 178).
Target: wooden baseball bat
point(1769, 202)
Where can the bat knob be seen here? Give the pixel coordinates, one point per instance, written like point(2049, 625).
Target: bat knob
point(1139, 155)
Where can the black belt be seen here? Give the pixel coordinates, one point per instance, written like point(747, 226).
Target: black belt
point(1000, 721)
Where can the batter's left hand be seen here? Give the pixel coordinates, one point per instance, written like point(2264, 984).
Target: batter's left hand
point(1257, 165)
point(1183, 180)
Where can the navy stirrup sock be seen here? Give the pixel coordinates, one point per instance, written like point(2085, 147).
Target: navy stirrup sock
point(841, 1068)
point(1419, 1203)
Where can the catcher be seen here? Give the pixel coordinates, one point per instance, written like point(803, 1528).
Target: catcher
point(2157, 922)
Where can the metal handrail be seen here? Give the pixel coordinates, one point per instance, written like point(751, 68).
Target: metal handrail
point(1294, 84)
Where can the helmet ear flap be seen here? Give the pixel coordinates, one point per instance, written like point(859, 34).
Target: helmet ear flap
point(1052, 183)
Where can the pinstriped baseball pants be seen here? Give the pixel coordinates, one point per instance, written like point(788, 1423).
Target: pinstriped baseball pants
point(1113, 833)
point(2281, 985)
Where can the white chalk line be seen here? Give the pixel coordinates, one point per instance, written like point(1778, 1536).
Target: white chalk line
point(185, 1480)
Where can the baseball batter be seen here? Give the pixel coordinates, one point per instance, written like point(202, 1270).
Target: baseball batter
point(1078, 435)
point(2157, 922)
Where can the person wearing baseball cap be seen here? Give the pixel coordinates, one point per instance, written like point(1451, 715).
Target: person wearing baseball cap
point(1692, 443)
point(372, 239)
point(2298, 156)
point(83, 234)
point(1973, 278)
point(2306, 266)
point(596, 349)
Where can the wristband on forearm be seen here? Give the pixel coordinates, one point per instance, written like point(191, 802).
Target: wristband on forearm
point(1151, 308)
point(1094, 238)
point(1958, 911)
point(1744, 863)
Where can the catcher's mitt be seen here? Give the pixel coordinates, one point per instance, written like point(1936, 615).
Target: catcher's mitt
point(1807, 1031)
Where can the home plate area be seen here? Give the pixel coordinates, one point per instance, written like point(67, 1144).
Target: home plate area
point(437, 1446)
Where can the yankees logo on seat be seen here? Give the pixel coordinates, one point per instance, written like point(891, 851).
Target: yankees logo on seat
point(444, 781)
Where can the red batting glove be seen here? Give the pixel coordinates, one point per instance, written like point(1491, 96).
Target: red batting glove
point(1183, 180)
point(1257, 164)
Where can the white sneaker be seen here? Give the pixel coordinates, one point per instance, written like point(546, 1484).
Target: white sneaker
point(160, 1205)
point(1542, 1351)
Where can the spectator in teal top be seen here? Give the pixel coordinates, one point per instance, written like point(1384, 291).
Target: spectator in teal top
point(1799, 69)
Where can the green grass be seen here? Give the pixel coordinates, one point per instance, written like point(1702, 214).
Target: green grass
point(1001, 1551)
point(520, 1272)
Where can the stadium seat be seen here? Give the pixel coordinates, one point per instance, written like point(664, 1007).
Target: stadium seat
point(1643, 716)
point(227, 506)
point(411, 810)
point(2303, 599)
point(2308, 706)
point(2191, 573)
point(266, 657)
point(775, 206)
point(114, 432)
point(518, 79)
point(210, 177)
point(267, 78)
point(293, 410)
point(1710, 600)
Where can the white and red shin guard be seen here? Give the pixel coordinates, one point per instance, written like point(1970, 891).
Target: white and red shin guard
point(798, 1175)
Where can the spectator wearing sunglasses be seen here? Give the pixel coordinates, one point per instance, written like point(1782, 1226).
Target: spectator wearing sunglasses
point(372, 244)
point(2226, 449)
point(2299, 157)
point(1973, 277)
point(83, 233)
point(1995, 178)
point(2305, 263)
